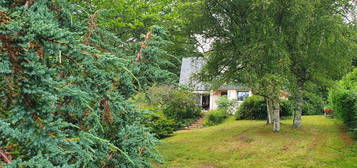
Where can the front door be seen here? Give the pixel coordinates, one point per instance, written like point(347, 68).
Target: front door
point(205, 101)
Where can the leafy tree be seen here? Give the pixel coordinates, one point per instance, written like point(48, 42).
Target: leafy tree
point(248, 49)
point(62, 104)
point(277, 45)
point(318, 42)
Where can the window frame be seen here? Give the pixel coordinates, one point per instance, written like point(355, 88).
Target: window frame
point(244, 97)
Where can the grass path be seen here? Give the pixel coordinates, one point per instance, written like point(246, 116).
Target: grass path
point(251, 144)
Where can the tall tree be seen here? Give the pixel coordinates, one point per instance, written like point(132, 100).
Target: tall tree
point(319, 42)
point(248, 49)
point(296, 40)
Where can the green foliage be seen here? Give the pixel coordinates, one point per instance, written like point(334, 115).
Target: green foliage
point(158, 95)
point(254, 108)
point(131, 19)
point(160, 124)
point(154, 63)
point(225, 104)
point(277, 45)
point(286, 108)
point(181, 106)
point(313, 104)
point(343, 99)
point(171, 108)
point(215, 117)
point(64, 101)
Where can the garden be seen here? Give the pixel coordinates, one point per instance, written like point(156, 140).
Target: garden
point(99, 83)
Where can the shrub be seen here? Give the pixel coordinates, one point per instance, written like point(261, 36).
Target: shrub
point(215, 117)
point(286, 108)
point(343, 99)
point(171, 108)
point(160, 124)
point(345, 106)
point(225, 104)
point(254, 108)
point(181, 107)
point(64, 103)
point(313, 104)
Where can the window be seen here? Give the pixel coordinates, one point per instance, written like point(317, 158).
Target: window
point(242, 95)
point(224, 93)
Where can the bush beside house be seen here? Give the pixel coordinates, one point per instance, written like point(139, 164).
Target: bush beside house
point(227, 105)
point(254, 108)
point(215, 117)
point(225, 108)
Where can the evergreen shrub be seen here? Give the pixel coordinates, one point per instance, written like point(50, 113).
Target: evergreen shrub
point(62, 99)
point(160, 124)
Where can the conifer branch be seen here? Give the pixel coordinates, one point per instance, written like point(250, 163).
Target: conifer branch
point(107, 116)
point(142, 46)
point(3, 18)
point(5, 157)
point(13, 52)
point(28, 3)
point(69, 46)
point(91, 27)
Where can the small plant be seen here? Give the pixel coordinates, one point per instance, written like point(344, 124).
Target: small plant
point(215, 117)
point(225, 104)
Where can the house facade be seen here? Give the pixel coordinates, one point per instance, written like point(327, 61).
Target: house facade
point(207, 98)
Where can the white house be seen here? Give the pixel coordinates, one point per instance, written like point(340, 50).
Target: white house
point(207, 97)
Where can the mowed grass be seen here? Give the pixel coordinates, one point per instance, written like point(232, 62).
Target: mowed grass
point(321, 142)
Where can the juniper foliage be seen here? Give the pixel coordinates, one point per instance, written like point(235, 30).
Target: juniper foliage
point(63, 100)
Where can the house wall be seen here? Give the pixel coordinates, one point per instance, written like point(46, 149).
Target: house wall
point(231, 94)
point(214, 95)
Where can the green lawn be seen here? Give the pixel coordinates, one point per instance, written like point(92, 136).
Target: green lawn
point(321, 142)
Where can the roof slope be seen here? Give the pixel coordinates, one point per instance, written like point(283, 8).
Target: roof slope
point(189, 67)
point(192, 65)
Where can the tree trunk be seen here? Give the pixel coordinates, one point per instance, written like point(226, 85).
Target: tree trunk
point(299, 104)
point(276, 115)
point(269, 111)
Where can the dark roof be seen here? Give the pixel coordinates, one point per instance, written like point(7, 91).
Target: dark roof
point(192, 65)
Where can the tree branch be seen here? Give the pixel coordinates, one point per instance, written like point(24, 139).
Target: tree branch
point(4, 157)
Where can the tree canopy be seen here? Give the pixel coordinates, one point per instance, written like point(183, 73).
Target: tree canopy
point(286, 41)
